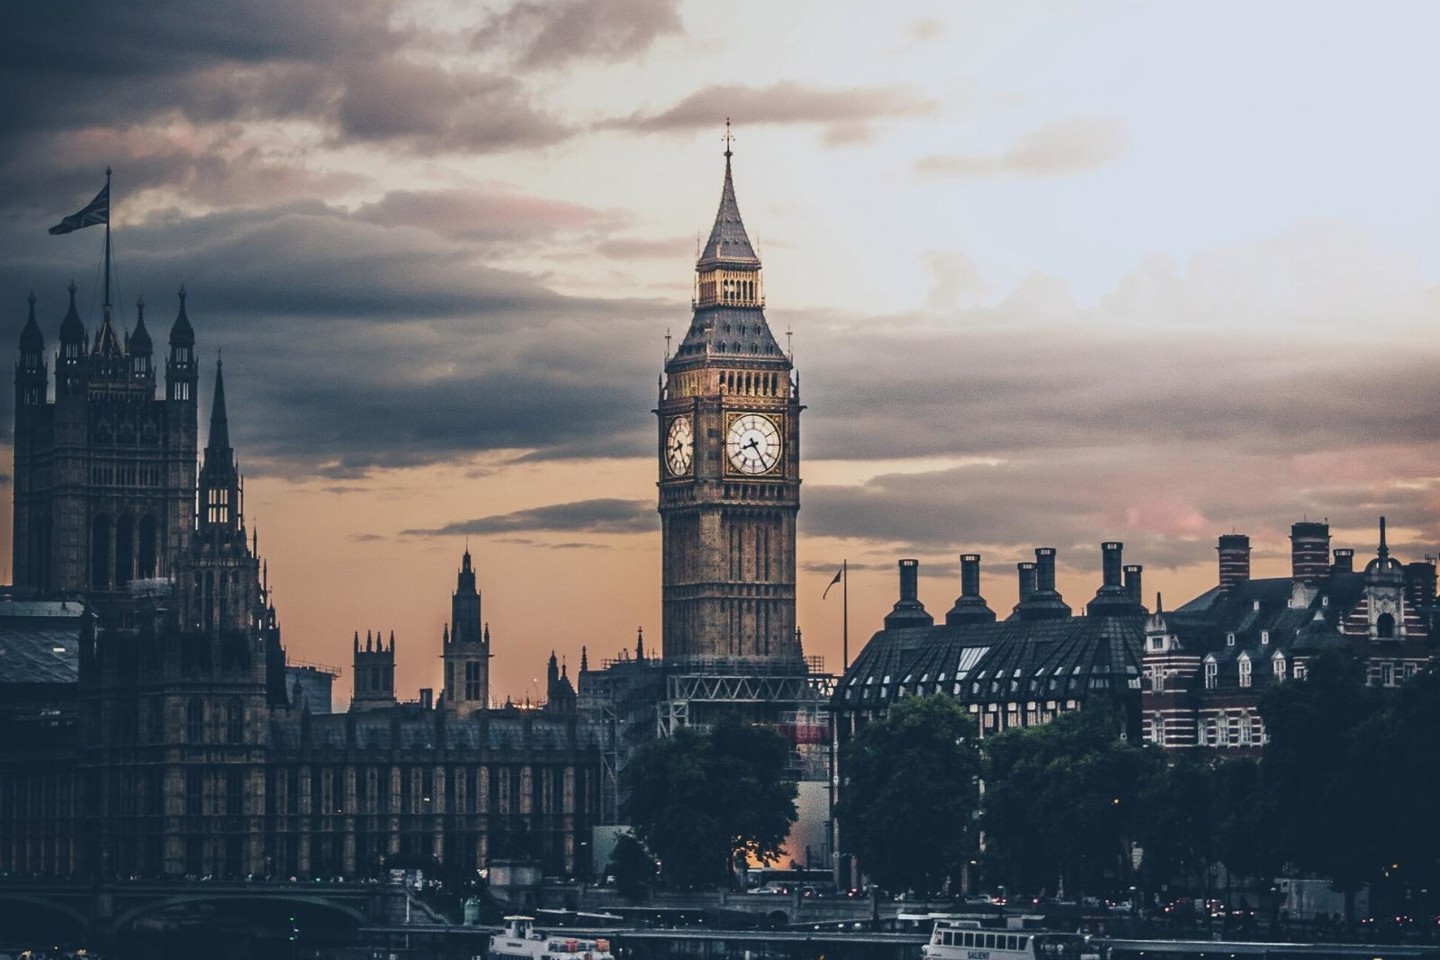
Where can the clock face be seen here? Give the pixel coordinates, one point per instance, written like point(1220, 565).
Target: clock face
point(753, 443)
point(679, 446)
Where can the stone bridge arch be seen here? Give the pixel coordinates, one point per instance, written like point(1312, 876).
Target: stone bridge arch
point(59, 907)
point(124, 919)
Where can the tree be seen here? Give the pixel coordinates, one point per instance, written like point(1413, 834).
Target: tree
point(1062, 802)
point(632, 866)
point(1315, 774)
point(701, 801)
point(911, 792)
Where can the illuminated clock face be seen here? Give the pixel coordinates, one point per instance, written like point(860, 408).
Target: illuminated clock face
point(679, 446)
point(753, 443)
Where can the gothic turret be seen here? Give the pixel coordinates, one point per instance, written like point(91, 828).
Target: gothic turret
point(30, 372)
point(140, 347)
point(69, 366)
point(181, 374)
point(220, 506)
point(466, 647)
point(374, 672)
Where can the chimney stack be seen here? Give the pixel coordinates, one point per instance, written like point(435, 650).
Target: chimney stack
point(908, 610)
point(1026, 570)
point(969, 574)
point(969, 607)
point(1045, 569)
point(1038, 597)
point(1234, 551)
point(1344, 560)
point(1419, 583)
point(1132, 580)
point(909, 580)
point(1309, 550)
point(1110, 562)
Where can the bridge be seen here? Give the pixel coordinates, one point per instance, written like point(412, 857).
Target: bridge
point(100, 911)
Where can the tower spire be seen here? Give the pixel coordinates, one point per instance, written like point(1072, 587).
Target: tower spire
point(728, 240)
point(219, 423)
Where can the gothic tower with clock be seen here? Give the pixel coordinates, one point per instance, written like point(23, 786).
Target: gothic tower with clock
point(729, 451)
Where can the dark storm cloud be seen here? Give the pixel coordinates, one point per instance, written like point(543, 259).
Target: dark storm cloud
point(555, 32)
point(164, 92)
point(604, 516)
point(352, 345)
point(92, 63)
point(429, 108)
point(843, 113)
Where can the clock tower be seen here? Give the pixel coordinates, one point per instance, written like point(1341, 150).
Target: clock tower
point(729, 457)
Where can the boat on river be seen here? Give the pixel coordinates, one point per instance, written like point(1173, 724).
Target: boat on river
point(521, 941)
point(964, 940)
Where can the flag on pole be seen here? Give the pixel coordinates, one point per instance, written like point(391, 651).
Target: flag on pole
point(95, 212)
point(838, 574)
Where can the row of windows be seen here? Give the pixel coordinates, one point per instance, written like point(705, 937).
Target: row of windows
point(125, 476)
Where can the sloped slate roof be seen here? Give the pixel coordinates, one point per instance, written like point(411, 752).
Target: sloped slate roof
point(730, 333)
point(997, 662)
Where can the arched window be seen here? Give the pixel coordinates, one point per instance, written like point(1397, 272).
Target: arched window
point(195, 721)
point(235, 721)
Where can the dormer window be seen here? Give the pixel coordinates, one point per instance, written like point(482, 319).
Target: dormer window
point(1244, 671)
point(1229, 639)
point(1264, 638)
point(1278, 665)
point(1256, 606)
point(1212, 669)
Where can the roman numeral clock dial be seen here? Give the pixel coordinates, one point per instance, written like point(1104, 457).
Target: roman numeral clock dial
point(679, 446)
point(753, 444)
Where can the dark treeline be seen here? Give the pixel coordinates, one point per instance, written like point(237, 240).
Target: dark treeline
point(1345, 789)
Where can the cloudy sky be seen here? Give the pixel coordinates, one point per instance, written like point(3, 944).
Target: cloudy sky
point(1056, 273)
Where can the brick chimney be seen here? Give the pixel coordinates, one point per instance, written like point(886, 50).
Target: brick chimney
point(1309, 550)
point(1234, 551)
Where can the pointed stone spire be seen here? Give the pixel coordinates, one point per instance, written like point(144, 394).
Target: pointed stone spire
point(219, 441)
point(72, 330)
point(1384, 551)
point(140, 343)
point(639, 643)
point(584, 660)
point(181, 333)
point(32, 341)
point(728, 239)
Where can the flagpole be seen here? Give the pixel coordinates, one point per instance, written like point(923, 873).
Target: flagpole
point(107, 240)
point(845, 615)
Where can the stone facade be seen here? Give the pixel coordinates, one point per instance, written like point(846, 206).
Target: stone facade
point(161, 739)
point(1209, 661)
point(729, 459)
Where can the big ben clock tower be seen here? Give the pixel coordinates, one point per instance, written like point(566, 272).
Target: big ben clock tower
point(729, 452)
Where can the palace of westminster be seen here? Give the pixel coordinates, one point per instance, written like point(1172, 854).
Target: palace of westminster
point(150, 724)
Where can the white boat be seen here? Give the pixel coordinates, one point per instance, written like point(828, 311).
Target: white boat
point(961, 940)
point(521, 941)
